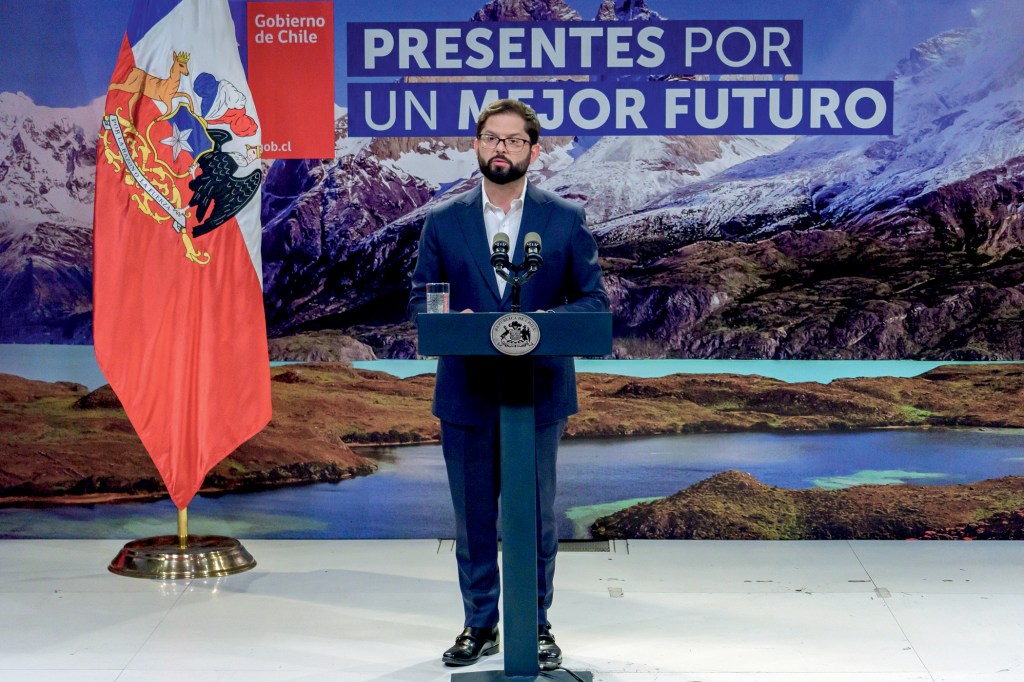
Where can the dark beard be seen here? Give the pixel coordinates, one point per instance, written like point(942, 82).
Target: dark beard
point(505, 175)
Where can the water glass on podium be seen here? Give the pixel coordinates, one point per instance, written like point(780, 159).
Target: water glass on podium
point(437, 297)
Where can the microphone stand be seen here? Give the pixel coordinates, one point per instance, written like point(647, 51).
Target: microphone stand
point(516, 276)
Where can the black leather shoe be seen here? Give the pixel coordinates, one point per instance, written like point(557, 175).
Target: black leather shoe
point(549, 655)
point(471, 645)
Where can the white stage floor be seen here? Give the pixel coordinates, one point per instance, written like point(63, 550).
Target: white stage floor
point(355, 611)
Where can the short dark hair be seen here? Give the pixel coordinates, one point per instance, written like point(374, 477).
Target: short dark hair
point(514, 106)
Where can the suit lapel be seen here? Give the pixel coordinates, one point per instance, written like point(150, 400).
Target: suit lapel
point(536, 215)
point(471, 221)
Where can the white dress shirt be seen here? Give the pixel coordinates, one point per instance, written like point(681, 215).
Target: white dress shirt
point(496, 220)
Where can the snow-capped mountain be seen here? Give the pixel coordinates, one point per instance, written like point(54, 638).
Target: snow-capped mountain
point(958, 111)
point(526, 10)
point(852, 247)
point(619, 175)
point(47, 183)
point(625, 10)
point(901, 246)
point(47, 161)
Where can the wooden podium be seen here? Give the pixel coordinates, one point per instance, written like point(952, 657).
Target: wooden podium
point(560, 334)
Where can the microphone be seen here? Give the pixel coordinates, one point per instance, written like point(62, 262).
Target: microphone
point(499, 251)
point(533, 259)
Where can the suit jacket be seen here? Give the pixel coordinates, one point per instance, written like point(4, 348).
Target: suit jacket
point(453, 248)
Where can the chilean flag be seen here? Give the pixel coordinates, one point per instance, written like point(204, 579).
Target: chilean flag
point(178, 320)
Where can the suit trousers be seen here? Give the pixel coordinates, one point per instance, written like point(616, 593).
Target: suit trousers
point(472, 456)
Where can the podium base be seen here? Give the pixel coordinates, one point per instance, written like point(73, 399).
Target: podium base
point(162, 558)
point(543, 676)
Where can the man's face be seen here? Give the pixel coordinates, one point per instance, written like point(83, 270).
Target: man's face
point(499, 164)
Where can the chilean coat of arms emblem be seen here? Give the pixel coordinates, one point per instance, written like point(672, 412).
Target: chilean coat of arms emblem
point(181, 169)
point(515, 334)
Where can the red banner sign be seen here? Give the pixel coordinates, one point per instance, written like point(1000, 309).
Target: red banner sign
point(291, 75)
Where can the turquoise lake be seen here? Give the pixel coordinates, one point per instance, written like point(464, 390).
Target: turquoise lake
point(408, 496)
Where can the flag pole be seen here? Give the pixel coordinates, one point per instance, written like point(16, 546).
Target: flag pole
point(183, 528)
point(141, 357)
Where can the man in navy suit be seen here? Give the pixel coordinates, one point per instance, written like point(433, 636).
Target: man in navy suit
point(455, 247)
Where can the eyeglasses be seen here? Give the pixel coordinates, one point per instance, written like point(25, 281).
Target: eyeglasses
point(513, 144)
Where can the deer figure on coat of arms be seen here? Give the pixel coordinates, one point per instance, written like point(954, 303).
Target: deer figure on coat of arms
point(162, 90)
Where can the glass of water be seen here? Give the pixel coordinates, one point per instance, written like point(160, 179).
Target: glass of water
point(437, 297)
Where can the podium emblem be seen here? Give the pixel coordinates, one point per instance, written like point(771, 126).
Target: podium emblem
point(515, 334)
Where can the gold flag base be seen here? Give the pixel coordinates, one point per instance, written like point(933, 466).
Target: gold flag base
point(162, 558)
point(182, 556)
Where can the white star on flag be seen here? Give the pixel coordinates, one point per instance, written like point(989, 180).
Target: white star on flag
point(178, 140)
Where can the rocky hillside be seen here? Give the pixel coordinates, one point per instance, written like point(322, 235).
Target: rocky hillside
point(735, 506)
point(60, 444)
point(949, 396)
point(817, 294)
